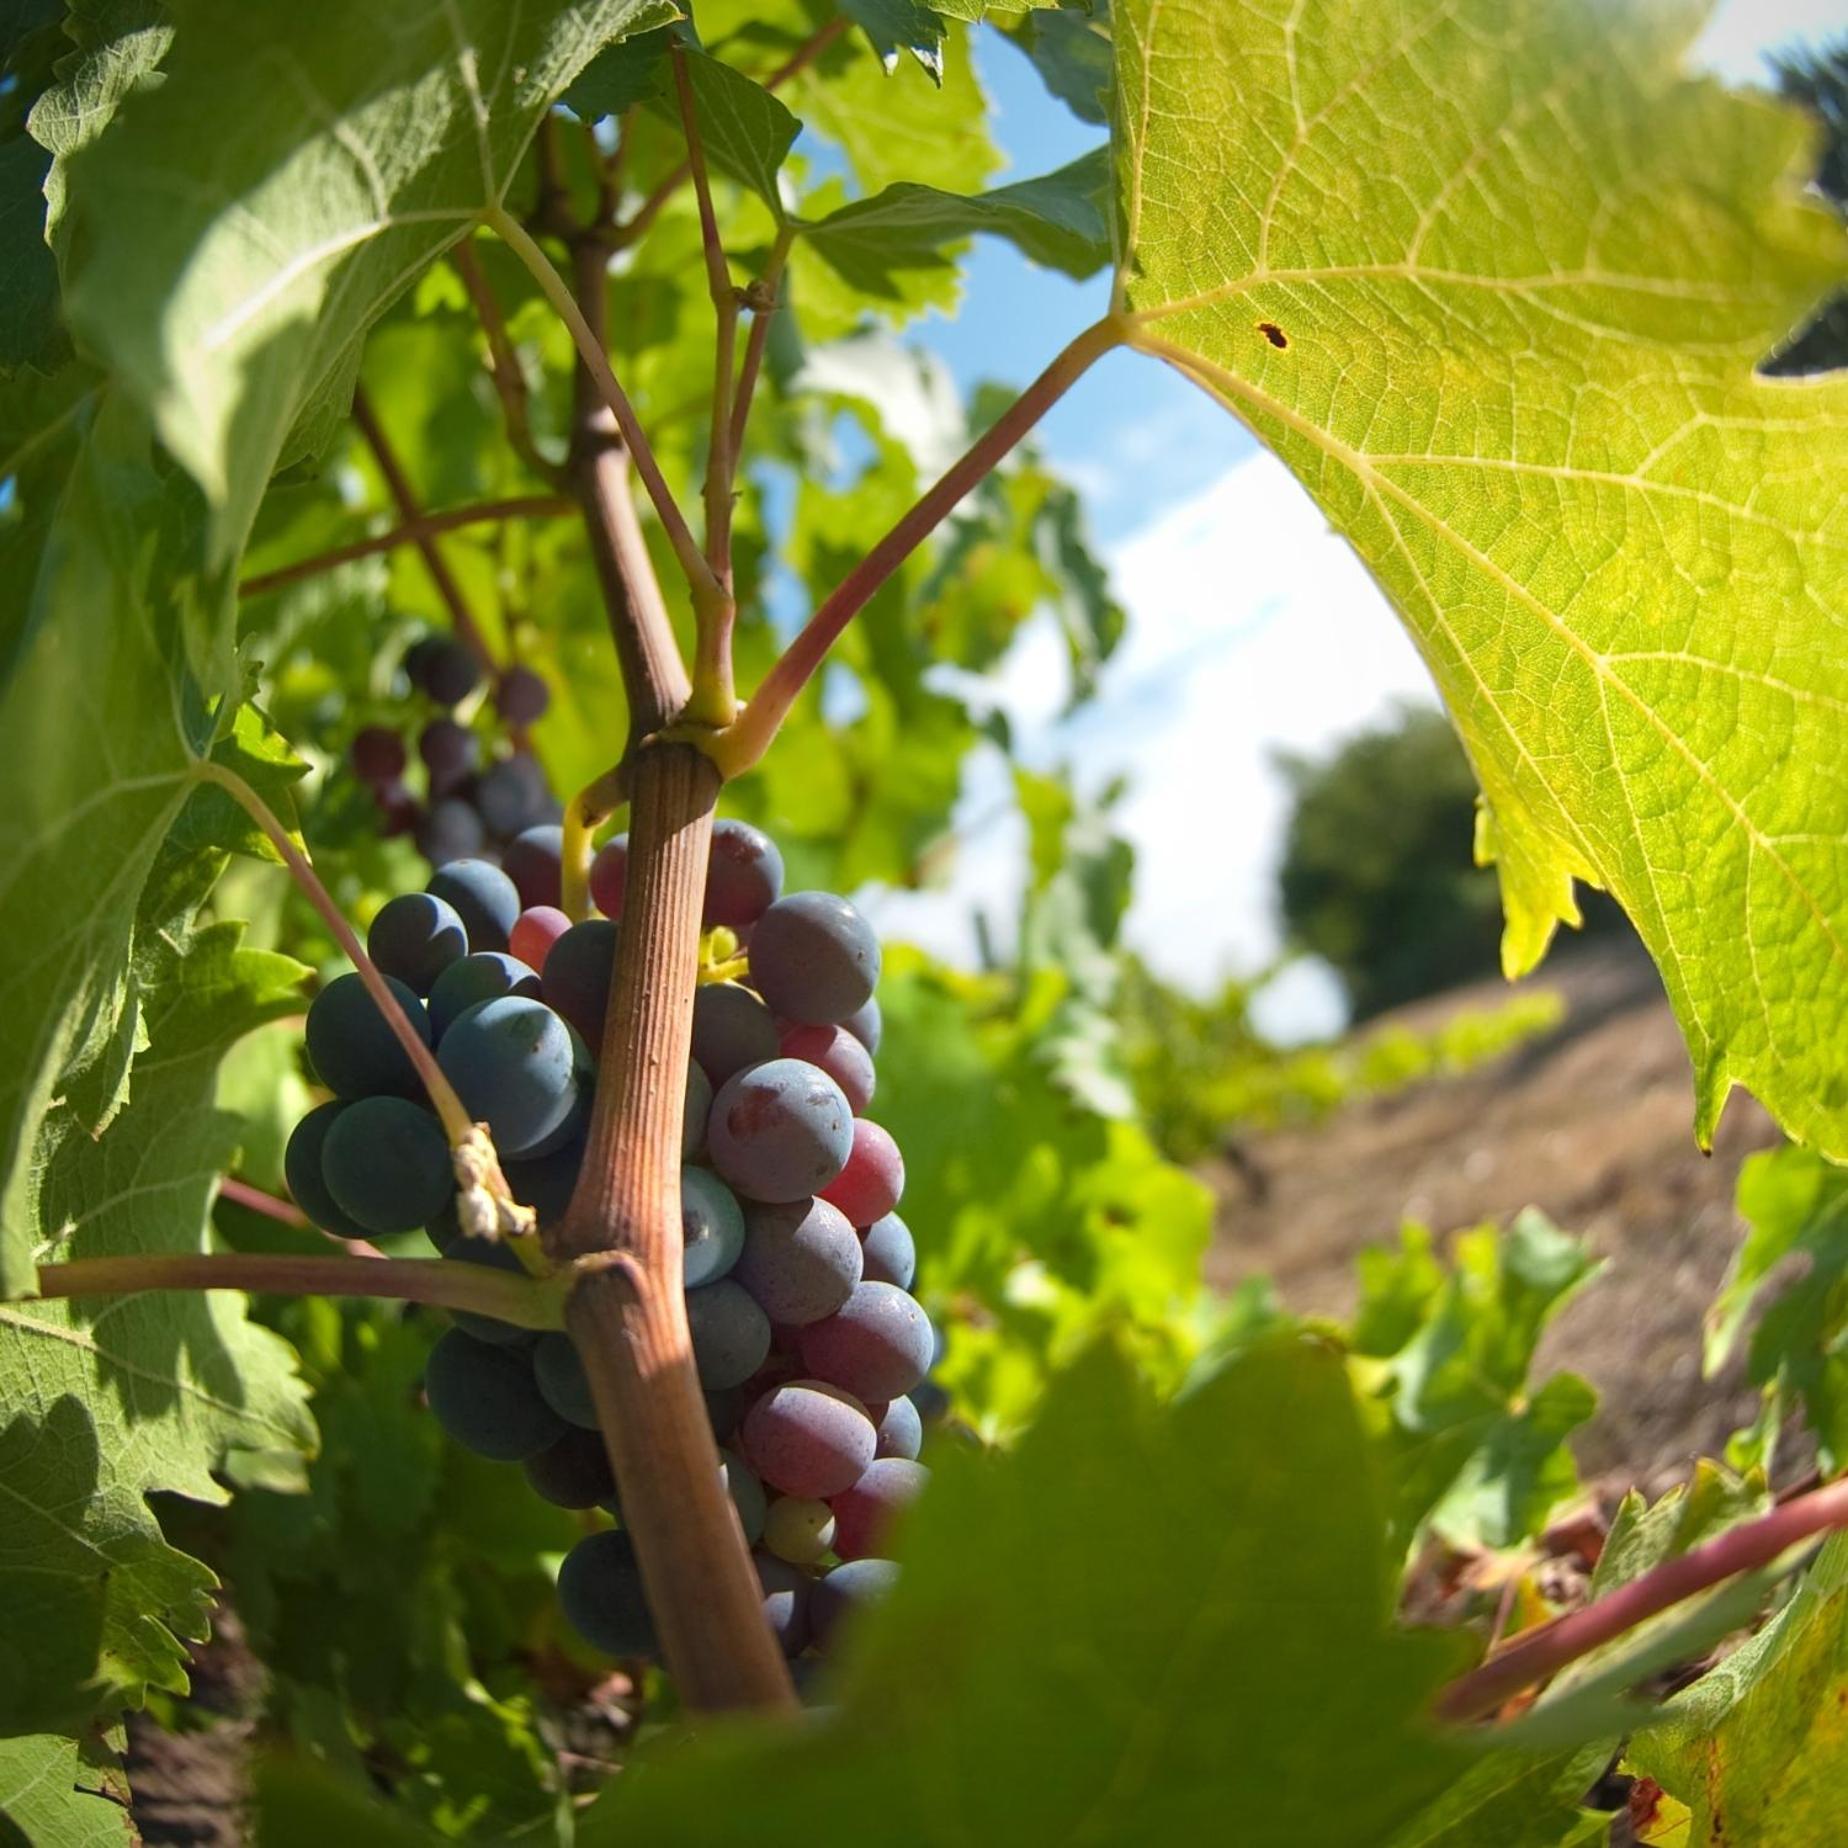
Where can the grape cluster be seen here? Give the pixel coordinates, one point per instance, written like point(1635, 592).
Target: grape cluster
point(797, 1266)
point(470, 806)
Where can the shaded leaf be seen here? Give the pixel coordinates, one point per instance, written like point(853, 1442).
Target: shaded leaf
point(60, 1793)
point(894, 26)
point(108, 1401)
point(370, 139)
point(1011, 1702)
point(1071, 52)
point(879, 245)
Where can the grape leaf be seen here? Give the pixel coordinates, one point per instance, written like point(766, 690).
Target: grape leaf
point(1492, 279)
point(1758, 1747)
point(1793, 1203)
point(894, 127)
point(117, 46)
point(1514, 1800)
point(619, 76)
point(108, 1401)
point(1476, 1450)
point(879, 245)
point(101, 730)
point(30, 334)
point(62, 1793)
point(744, 130)
point(1010, 1700)
point(892, 26)
point(227, 277)
point(1071, 52)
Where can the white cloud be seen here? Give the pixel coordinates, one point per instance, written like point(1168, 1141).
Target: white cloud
point(1252, 629)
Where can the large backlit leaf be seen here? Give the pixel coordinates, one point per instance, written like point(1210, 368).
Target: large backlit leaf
point(226, 275)
point(1492, 278)
point(1124, 1632)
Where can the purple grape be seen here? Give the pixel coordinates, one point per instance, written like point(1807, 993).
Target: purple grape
point(416, 937)
point(711, 1227)
point(578, 971)
point(451, 830)
point(485, 1399)
point(814, 959)
point(450, 753)
point(513, 796)
point(600, 1592)
point(863, 1514)
point(866, 1024)
point(731, 1335)
point(855, 1586)
point(514, 1066)
point(399, 810)
point(873, 1180)
point(485, 976)
point(838, 1054)
point(780, 1131)
point(546, 1182)
point(352, 1046)
point(609, 875)
point(732, 1030)
point(889, 1253)
point(901, 1430)
point(441, 667)
point(386, 1162)
point(696, 1114)
point(377, 754)
point(301, 1168)
point(571, 1472)
point(744, 875)
point(808, 1438)
point(747, 1494)
point(533, 861)
point(563, 1384)
point(877, 1345)
point(482, 896)
point(786, 1601)
point(800, 1261)
point(521, 697)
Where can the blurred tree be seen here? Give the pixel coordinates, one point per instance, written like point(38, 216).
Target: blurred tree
point(1377, 875)
point(1819, 81)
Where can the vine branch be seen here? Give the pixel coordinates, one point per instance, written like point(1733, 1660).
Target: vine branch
point(699, 574)
point(504, 366)
point(745, 741)
point(805, 54)
point(455, 1119)
point(426, 525)
point(627, 1313)
point(524, 1301)
point(763, 301)
point(712, 666)
point(1540, 1653)
point(411, 511)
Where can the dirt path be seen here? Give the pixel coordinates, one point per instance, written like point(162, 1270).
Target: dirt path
point(1591, 1123)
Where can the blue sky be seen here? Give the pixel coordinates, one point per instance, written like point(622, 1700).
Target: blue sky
point(1252, 628)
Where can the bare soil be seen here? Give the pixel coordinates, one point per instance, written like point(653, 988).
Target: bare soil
point(1593, 1123)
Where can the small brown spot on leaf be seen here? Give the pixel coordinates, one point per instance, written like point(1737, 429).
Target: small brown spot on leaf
point(1274, 334)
